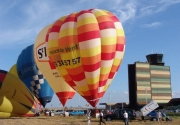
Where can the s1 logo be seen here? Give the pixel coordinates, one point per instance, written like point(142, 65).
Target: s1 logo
point(42, 53)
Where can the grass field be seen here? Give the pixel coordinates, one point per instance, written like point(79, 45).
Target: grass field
point(76, 120)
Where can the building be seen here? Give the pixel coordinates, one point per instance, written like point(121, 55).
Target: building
point(149, 80)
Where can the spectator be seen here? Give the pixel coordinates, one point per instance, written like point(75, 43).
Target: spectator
point(101, 118)
point(89, 117)
point(125, 117)
point(159, 116)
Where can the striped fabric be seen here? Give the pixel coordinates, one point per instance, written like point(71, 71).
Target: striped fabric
point(87, 48)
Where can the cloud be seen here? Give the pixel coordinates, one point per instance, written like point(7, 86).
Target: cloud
point(176, 94)
point(150, 25)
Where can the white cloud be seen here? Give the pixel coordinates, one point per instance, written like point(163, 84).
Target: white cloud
point(150, 25)
point(176, 94)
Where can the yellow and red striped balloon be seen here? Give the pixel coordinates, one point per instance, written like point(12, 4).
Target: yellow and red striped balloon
point(87, 48)
point(59, 86)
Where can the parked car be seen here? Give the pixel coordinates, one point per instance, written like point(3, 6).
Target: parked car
point(118, 115)
point(76, 112)
point(59, 112)
point(152, 116)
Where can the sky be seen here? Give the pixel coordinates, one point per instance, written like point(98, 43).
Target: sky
point(150, 27)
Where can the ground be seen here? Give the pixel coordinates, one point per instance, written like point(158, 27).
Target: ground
point(75, 120)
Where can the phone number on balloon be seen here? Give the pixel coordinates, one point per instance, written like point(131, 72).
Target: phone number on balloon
point(67, 62)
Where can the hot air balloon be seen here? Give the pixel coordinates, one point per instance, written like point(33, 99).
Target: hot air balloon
point(29, 73)
point(87, 48)
point(15, 98)
point(13, 70)
point(60, 87)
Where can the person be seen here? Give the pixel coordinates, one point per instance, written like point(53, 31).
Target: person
point(101, 118)
point(125, 117)
point(159, 116)
point(89, 117)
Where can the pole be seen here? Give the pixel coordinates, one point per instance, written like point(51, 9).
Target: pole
point(122, 94)
point(110, 101)
point(146, 94)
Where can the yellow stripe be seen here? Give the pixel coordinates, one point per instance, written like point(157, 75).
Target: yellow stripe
point(160, 86)
point(92, 80)
point(67, 32)
point(161, 97)
point(90, 52)
point(162, 101)
point(108, 40)
point(116, 61)
point(120, 32)
point(52, 43)
point(87, 20)
point(62, 71)
point(83, 88)
point(105, 70)
point(99, 13)
point(105, 87)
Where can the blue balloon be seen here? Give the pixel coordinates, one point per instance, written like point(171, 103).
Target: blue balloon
point(29, 73)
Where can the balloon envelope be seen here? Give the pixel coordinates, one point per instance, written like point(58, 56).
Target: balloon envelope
point(13, 70)
point(60, 87)
point(87, 48)
point(29, 73)
point(15, 98)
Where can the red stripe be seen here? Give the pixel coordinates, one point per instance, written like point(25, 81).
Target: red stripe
point(2, 77)
point(51, 65)
point(106, 25)
point(120, 47)
point(101, 94)
point(55, 29)
point(93, 92)
point(67, 94)
point(71, 83)
point(90, 68)
point(91, 97)
point(70, 19)
point(78, 77)
point(88, 35)
point(115, 19)
point(111, 75)
point(83, 12)
point(107, 56)
point(102, 83)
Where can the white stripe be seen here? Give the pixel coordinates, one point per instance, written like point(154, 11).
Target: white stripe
point(39, 72)
point(90, 43)
point(81, 83)
point(118, 25)
point(108, 32)
point(38, 86)
point(119, 54)
point(100, 89)
point(69, 25)
point(95, 10)
point(92, 74)
point(107, 63)
point(85, 15)
point(53, 36)
point(108, 82)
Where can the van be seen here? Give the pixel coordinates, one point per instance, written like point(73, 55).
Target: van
point(118, 115)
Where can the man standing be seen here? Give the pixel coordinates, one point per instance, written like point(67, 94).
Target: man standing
point(101, 118)
point(89, 117)
point(125, 117)
point(159, 116)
